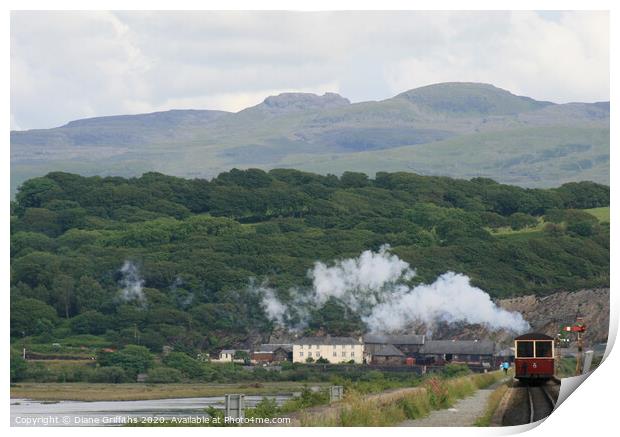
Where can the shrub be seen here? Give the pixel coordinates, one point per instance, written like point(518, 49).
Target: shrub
point(453, 370)
point(19, 367)
point(164, 375)
point(112, 374)
point(133, 359)
point(89, 322)
point(185, 364)
point(266, 408)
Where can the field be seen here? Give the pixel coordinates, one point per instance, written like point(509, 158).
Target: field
point(132, 392)
point(602, 214)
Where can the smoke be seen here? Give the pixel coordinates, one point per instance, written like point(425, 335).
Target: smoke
point(359, 282)
point(182, 297)
point(131, 284)
point(376, 286)
point(451, 298)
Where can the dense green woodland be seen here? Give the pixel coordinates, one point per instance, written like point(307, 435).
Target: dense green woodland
point(199, 245)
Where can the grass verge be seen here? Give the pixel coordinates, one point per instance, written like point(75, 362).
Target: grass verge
point(492, 403)
point(388, 409)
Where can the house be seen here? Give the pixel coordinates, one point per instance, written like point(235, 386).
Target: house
point(407, 344)
point(332, 349)
point(473, 352)
point(387, 355)
point(228, 355)
point(273, 353)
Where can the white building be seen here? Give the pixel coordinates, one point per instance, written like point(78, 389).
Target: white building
point(228, 356)
point(332, 349)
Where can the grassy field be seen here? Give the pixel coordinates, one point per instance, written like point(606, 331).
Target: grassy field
point(602, 214)
point(132, 392)
point(528, 230)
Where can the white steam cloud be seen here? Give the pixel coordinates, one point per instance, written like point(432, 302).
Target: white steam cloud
point(132, 284)
point(375, 285)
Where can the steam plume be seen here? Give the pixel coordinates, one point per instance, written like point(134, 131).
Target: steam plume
point(375, 286)
point(132, 284)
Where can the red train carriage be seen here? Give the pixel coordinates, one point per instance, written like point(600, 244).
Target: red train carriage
point(534, 357)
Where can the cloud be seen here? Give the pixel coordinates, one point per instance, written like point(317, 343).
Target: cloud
point(69, 65)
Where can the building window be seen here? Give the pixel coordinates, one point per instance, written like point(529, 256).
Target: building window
point(352, 354)
point(335, 354)
point(344, 354)
point(301, 353)
point(317, 346)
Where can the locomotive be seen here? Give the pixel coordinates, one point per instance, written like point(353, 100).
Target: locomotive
point(534, 357)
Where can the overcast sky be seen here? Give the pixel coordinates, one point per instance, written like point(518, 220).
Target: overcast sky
point(71, 65)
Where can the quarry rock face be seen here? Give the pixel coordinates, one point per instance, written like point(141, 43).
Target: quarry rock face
point(548, 313)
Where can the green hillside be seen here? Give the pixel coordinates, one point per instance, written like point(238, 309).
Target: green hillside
point(159, 260)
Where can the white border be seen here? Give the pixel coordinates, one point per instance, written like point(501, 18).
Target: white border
point(591, 410)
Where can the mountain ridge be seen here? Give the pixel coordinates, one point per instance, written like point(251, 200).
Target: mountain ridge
point(329, 134)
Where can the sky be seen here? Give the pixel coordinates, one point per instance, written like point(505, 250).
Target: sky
point(71, 65)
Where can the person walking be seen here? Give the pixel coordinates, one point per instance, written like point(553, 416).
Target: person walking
point(505, 367)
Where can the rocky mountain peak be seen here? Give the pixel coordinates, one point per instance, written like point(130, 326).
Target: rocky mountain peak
point(289, 102)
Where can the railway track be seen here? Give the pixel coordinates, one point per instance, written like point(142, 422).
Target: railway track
point(529, 403)
point(541, 403)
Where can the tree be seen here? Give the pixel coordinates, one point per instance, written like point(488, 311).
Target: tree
point(519, 220)
point(31, 317)
point(132, 359)
point(185, 364)
point(34, 192)
point(62, 291)
point(90, 322)
point(89, 295)
point(351, 179)
point(18, 367)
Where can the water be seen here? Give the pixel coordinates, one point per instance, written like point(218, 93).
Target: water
point(25, 412)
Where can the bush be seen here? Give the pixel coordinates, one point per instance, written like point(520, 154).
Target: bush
point(583, 228)
point(133, 359)
point(164, 375)
point(19, 367)
point(185, 364)
point(519, 220)
point(307, 399)
point(89, 322)
point(266, 408)
point(453, 370)
point(112, 374)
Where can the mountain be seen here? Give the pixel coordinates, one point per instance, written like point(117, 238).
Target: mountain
point(455, 129)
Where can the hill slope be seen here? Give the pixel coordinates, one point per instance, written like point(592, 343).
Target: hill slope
point(452, 129)
point(205, 265)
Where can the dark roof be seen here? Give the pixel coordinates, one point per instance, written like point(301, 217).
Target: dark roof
point(394, 339)
point(269, 348)
point(471, 347)
point(326, 340)
point(389, 350)
point(534, 336)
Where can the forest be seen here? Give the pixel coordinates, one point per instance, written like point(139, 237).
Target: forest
point(191, 250)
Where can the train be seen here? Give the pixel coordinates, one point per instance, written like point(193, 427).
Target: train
point(534, 357)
